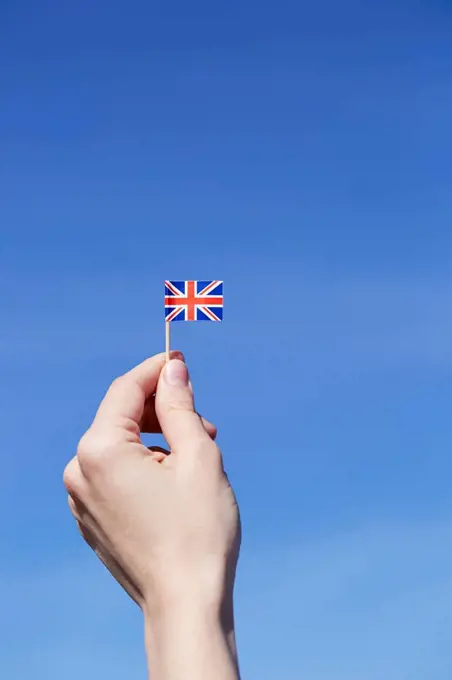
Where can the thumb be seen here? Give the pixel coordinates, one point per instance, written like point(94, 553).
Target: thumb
point(174, 406)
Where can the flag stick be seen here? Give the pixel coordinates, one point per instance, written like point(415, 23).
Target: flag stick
point(168, 339)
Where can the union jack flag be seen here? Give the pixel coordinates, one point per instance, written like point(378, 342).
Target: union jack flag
point(193, 300)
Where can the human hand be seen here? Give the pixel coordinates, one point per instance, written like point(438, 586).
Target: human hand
point(166, 526)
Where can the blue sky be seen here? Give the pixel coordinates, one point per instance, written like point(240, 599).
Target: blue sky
point(301, 152)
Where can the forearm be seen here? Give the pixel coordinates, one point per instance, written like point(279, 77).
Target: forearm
point(191, 642)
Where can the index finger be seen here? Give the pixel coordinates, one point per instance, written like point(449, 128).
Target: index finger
point(124, 402)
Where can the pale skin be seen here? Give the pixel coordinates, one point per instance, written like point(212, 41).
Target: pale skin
point(165, 523)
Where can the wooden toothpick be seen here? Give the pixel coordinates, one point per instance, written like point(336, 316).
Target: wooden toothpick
point(168, 340)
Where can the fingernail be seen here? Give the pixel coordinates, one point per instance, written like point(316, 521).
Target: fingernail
point(177, 355)
point(176, 373)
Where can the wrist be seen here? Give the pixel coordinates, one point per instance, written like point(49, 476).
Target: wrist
point(188, 605)
point(191, 625)
point(207, 589)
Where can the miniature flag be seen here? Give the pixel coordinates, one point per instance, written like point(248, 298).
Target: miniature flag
point(193, 300)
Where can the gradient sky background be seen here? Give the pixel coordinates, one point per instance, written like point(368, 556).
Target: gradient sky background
point(301, 151)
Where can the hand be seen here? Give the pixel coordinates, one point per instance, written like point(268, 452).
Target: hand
point(165, 524)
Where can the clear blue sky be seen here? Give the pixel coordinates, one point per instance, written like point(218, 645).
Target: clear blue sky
point(301, 151)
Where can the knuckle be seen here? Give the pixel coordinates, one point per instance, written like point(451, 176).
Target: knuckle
point(90, 452)
point(116, 386)
point(118, 383)
point(69, 474)
point(72, 478)
point(84, 447)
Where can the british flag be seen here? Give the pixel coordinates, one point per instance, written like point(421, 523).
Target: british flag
point(193, 300)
